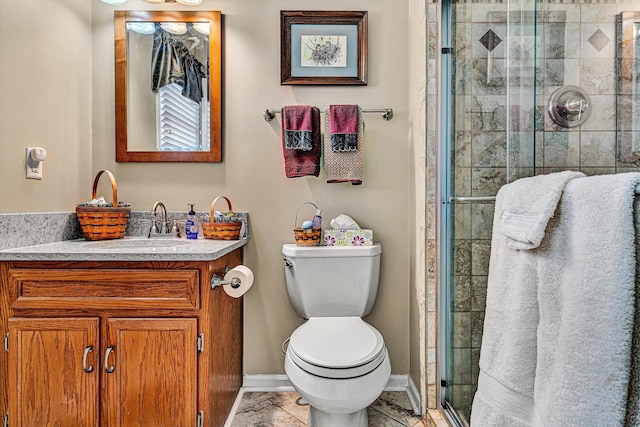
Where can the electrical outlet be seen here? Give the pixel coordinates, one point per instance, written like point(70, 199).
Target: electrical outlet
point(34, 167)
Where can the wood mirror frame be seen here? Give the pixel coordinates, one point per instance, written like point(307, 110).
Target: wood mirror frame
point(123, 154)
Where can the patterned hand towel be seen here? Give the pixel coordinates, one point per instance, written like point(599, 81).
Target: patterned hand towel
point(344, 149)
point(343, 121)
point(301, 140)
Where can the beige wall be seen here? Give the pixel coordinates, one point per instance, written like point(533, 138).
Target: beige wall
point(75, 124)
point(45, 100)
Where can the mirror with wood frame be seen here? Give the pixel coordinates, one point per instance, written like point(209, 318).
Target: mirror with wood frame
point(168, 86)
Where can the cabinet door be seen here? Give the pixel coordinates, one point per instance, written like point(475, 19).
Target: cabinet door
point(53, 377)
point(153, 378)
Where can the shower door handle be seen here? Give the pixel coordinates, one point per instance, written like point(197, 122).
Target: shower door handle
point(472, 199)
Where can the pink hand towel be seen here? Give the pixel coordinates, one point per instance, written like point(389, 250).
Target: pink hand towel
point(346, 163)
point(344, 127)
point(301, 140)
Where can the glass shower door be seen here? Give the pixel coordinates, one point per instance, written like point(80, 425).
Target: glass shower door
point(489, 140)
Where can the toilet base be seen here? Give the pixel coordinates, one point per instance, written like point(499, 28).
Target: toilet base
point(318, 418)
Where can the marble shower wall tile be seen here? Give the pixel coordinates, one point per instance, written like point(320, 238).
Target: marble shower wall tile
point(598, 149)
point(487, 181)
point(598, 76)
point(561, 149)
point(482, 220)
point(478, 293)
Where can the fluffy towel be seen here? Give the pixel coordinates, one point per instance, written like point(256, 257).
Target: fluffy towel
point(633, 399)
point(528, 204)
point(556, 347)
point(507, 357)
point(344, 165)
point(301, 140)
point(343, 121)
point(587, 272)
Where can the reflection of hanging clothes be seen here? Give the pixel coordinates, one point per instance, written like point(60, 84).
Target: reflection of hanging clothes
point(171, 62)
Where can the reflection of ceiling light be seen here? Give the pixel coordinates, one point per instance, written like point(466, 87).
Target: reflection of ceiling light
point(174, 27)
point(201, 27)
point(141, 27)
point(187, 2)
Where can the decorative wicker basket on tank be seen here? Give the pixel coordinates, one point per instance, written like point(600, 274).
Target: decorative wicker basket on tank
point(221, 230)
point(306, 236)
point(103, 222)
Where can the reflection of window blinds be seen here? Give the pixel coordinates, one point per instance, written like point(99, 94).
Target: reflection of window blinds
point(206, 122)
point(179, 120)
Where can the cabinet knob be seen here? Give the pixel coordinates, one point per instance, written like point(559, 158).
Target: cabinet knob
point(86, 368)
point(108, 369)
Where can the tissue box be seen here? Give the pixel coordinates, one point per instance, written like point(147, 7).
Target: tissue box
point(348, 237)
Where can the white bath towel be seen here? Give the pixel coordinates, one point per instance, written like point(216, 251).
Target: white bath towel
point(587, 272)
point(504, 397)
point(633, 400)
point(527, 206)
point(557, 332)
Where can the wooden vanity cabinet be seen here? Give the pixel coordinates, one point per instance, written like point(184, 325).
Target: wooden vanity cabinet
point(119, 343)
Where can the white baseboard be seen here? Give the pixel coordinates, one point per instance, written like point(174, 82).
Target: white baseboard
point(280, 382)
point(414, 397)
point(234, 409)
point(266, 382)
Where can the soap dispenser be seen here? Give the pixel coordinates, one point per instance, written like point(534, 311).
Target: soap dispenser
point(191, 227)
point(317, 219)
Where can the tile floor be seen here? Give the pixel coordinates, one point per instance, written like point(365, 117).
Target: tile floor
point(261, 409)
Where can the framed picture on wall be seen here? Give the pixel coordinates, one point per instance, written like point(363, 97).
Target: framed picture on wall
point(323, 47)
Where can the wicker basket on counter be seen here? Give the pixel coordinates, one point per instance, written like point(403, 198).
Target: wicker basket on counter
point(221, 230)
point(103, 222)
point(306, 236)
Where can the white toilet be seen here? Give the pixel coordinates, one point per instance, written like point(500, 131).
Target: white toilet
point(335, 360)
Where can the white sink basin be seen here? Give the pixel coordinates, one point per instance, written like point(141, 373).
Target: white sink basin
point(152, 243)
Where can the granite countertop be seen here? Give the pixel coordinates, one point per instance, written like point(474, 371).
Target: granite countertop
point(127, 249)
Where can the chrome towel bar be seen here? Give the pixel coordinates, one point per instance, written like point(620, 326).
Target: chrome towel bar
point(387, 113)
point(485, 199)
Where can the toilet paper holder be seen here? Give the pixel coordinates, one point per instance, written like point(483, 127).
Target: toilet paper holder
point(238, 280)
point(217, 281)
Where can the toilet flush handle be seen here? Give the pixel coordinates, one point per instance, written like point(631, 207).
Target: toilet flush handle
point(287, 263)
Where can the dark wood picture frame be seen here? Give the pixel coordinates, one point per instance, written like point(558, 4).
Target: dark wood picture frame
point(294, 23)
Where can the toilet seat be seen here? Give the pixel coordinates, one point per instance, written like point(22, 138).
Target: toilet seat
point(337, 347)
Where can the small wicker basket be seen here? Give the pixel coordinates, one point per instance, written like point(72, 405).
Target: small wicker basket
point(306, 236)
point(103, 223)
point(221, 230)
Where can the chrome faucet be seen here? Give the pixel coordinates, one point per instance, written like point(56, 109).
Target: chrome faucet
point(164, 223)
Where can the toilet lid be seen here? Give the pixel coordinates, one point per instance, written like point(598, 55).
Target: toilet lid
point(337, 347)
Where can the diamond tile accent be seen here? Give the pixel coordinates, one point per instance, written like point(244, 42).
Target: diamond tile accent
point(599, 40)
point(490, 40)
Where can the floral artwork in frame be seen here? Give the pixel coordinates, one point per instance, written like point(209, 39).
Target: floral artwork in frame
point(323, 48)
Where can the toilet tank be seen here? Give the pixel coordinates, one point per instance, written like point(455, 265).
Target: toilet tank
point(331, 281)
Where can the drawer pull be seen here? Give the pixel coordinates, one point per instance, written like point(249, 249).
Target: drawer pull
point(108, 369)
point(86, 368)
